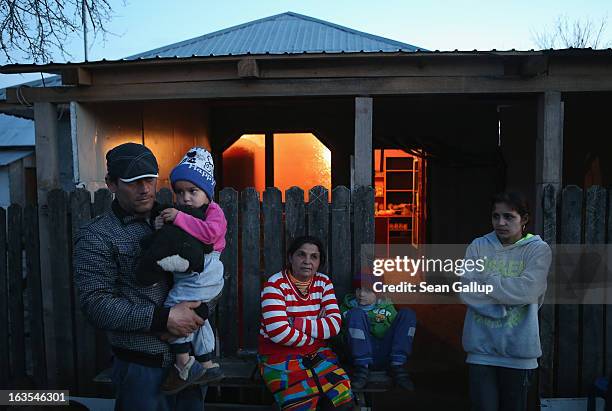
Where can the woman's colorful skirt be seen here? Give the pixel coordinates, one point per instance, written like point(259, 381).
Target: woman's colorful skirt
point(298, 382)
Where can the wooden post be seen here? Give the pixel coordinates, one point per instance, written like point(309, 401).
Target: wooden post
point(363, 141)
point(549, 149)
point(47, 177)
point(269, 147)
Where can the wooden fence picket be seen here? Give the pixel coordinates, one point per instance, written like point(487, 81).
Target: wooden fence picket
point(273, 230)
point(569, 314)
point(62, 288)
point(295, 224)
point(85, 333)
point(547, 312)
point(251, 274)
point(15, 287)
point(228, 306)
point(35, 294)
point(340, 241)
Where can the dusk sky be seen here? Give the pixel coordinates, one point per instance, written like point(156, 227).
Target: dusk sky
point(435, 24)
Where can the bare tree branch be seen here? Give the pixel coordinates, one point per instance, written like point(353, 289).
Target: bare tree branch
point(38, 28)
point(575, 33)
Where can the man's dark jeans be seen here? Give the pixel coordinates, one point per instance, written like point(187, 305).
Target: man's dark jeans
point(137, 388)
point(499, 388)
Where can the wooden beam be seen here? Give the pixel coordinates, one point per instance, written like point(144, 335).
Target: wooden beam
point(77, 76)
point(363, 141)
point(549, 149)
point(269, 159)
point(248, 68)
point(534, 66)
point(47, 176)
point(55, 68)
point(86, 168)
point(311, 87)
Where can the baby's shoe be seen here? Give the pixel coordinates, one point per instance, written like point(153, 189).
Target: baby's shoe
point(211, 374)
point(179, 379)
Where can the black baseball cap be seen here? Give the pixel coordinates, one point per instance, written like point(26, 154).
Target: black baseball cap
point(130, 162)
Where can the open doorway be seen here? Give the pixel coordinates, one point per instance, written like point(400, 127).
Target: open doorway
point(399, 208)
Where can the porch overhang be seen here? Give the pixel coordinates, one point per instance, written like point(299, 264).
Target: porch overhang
point(312, 75)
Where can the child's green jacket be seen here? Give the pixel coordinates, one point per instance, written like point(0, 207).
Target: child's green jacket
point(381, 314)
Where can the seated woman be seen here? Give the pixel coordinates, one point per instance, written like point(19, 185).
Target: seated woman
point(501, 330)
point(299, 313)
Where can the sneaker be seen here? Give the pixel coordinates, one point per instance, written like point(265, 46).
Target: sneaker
point(401, 377)
point(179, 379)
point(211, 374)
point(359, 378)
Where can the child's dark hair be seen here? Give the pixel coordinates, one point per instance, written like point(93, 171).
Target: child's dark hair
point(515, 200)
point(306, 239)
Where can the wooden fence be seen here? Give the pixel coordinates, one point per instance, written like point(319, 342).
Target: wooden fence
point(576, 339)
point(257, 235)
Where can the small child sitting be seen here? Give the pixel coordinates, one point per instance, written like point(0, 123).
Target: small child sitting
point(193, 184)
point(377, 335)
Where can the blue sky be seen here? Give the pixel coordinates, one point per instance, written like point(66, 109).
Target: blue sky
point(432, 24)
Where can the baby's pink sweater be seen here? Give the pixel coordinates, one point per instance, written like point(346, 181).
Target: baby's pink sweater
point(209, 231)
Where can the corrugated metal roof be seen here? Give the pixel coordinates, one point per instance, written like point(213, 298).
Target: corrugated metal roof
point(286, 33)
point(8, 157)
point(16, 131)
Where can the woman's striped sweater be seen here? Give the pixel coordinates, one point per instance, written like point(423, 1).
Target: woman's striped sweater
point(293, 324)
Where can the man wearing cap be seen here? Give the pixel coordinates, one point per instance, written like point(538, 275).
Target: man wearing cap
point(105, 257)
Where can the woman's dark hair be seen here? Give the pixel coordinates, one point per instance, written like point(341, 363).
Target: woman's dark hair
point(306, 239)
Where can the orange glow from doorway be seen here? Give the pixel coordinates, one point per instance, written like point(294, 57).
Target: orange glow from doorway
point(244, 163)
point(300, 159)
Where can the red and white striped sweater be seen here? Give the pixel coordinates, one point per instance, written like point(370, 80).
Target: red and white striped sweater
point(292, 324)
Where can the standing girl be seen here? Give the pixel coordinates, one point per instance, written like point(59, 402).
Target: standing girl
point(501, 330)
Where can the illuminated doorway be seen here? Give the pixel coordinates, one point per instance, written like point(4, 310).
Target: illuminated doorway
point(399, 208)
point(297, 159)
